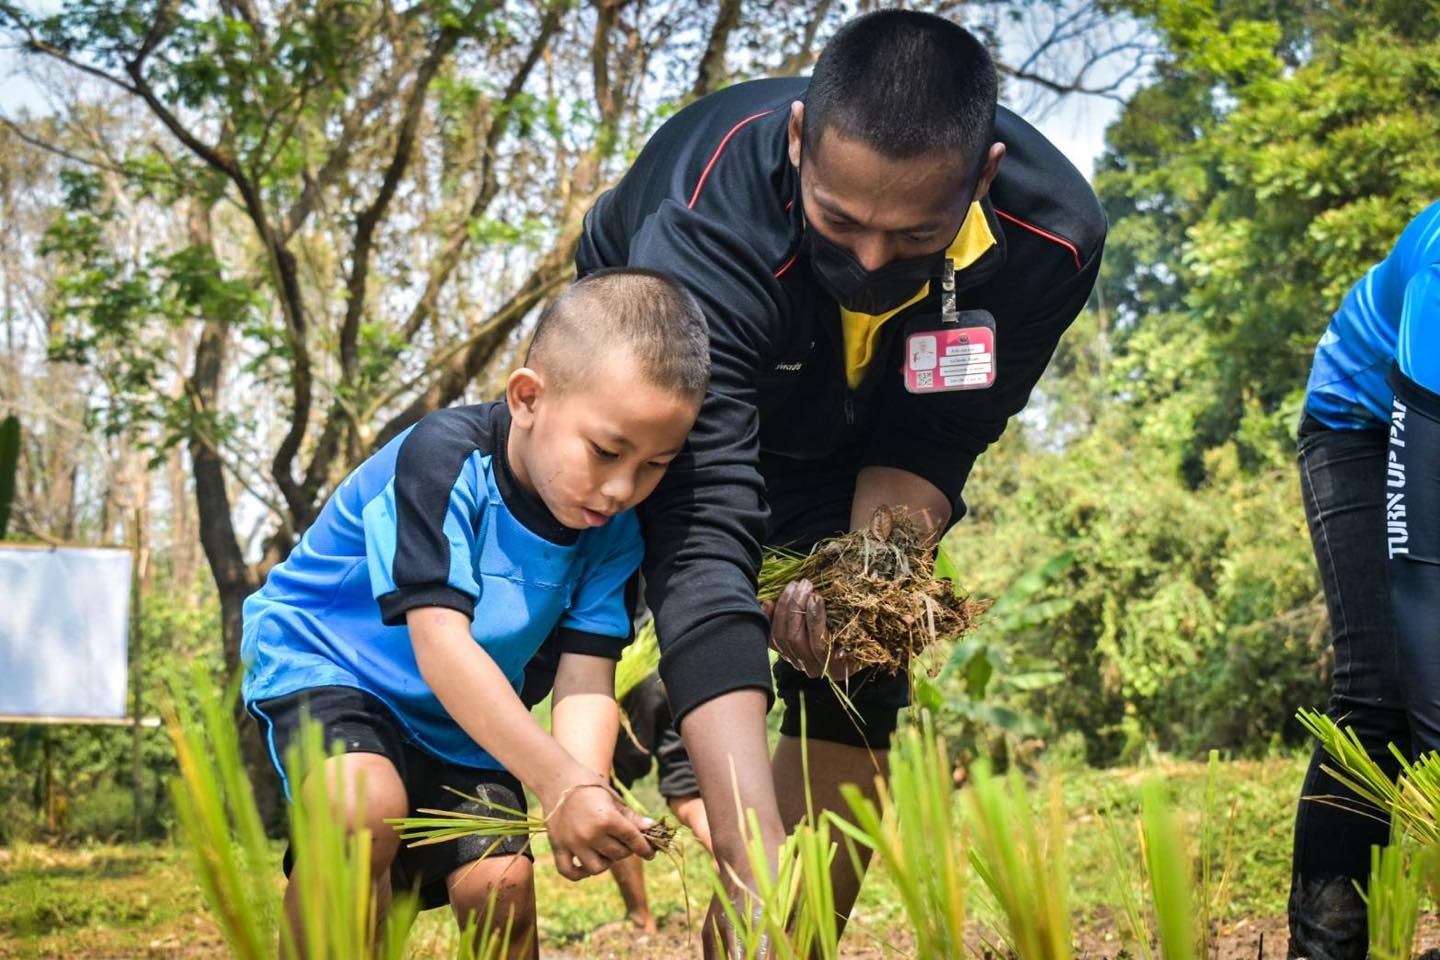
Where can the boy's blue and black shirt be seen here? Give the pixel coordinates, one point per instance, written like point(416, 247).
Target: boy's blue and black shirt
point(436, 518)
point(1385, 338)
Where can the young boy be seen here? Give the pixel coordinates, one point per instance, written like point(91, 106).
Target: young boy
point(405, 617)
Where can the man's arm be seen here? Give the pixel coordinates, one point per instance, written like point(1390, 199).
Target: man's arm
point(704, 526)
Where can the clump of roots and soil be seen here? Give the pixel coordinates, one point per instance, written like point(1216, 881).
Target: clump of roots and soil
point(883, 603)
point(661, 834)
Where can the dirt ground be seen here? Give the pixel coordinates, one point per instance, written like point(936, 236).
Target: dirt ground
point(1256, 938)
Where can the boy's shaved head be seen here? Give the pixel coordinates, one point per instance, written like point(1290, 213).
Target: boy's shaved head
point(644, 312)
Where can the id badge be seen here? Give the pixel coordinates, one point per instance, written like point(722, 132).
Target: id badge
point(956, 354)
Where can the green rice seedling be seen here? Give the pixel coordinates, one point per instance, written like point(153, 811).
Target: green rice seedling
point(1156, 898)
point(911, 828)
point(1412, 799)
point(638, 661)
point(1170, 872)
point(1216, 839)
point(442, 826)
point(1392, 900)
point(1133, 916)
point(815, 851)
point(1021, 861)
point(762, 925)
point(332, 871)
point(215, 805)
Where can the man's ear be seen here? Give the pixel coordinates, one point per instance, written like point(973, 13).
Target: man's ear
point(992, 167)
point(796, 132)
point(522, 393)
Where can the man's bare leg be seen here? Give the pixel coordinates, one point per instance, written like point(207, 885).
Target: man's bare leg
point(831, 764)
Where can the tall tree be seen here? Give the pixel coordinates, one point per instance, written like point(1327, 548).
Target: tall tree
point(355, 209)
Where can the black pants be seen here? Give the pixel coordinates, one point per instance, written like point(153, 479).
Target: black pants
point(1387, 669)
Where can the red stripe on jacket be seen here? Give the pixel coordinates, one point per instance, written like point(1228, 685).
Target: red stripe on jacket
point(1054, 238)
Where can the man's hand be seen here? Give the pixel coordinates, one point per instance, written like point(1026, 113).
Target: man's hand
point(590, 828)
point(799, 633)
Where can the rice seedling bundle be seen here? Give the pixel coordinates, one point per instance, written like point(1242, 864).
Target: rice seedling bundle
point(1412, 799)
point(883, 603)
point(442, 826)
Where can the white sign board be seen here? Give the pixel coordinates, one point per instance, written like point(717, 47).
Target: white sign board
point(64, 622)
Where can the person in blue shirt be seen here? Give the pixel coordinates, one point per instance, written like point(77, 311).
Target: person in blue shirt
point(1370, 477)
point(405, 618)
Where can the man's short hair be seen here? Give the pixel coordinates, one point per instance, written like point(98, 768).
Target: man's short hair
point(645, 312)
point(904, 84)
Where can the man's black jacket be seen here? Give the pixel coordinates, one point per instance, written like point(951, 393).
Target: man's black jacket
point(713, 200)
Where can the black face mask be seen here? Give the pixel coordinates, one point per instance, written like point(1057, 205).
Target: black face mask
point(868, 291)
point(873, 291)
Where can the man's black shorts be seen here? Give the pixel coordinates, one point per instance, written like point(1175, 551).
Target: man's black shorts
point(651, 737)
point(360, 723)
point(810, 501)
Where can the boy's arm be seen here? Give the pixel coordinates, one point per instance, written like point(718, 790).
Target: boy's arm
point(584, 716)
point(588, 828)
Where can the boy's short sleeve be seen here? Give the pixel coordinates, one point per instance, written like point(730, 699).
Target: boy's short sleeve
point(598, 622)
point(421, 531)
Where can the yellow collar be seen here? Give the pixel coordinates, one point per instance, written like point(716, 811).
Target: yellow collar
point(862, 330)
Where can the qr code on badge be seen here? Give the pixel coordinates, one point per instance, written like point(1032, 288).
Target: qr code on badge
point(924, 378)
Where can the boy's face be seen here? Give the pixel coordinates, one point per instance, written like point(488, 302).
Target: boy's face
point(598, 447)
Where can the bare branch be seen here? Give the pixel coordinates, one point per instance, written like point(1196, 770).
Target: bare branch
point(370, 217)
point(20, 134)
point(339, 158)
point(463, 363)
point(712, 62)
point(800, 58)
point(33, 44)
point(444, 264)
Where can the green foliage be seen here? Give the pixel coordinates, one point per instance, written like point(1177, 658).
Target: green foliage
point(912, 830)
point(981, 693)
point(1272, 159)
point(109, 305)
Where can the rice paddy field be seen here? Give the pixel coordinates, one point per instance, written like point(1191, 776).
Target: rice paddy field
point(144, 901)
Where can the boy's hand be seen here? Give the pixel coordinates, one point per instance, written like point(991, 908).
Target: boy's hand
point(590, 828)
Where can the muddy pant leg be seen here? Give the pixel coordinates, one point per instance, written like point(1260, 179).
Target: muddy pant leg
point(1342, 478)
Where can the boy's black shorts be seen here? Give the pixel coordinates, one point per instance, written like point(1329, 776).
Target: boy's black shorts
point(653, 738)
point(810, 501)
point(361, 723)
